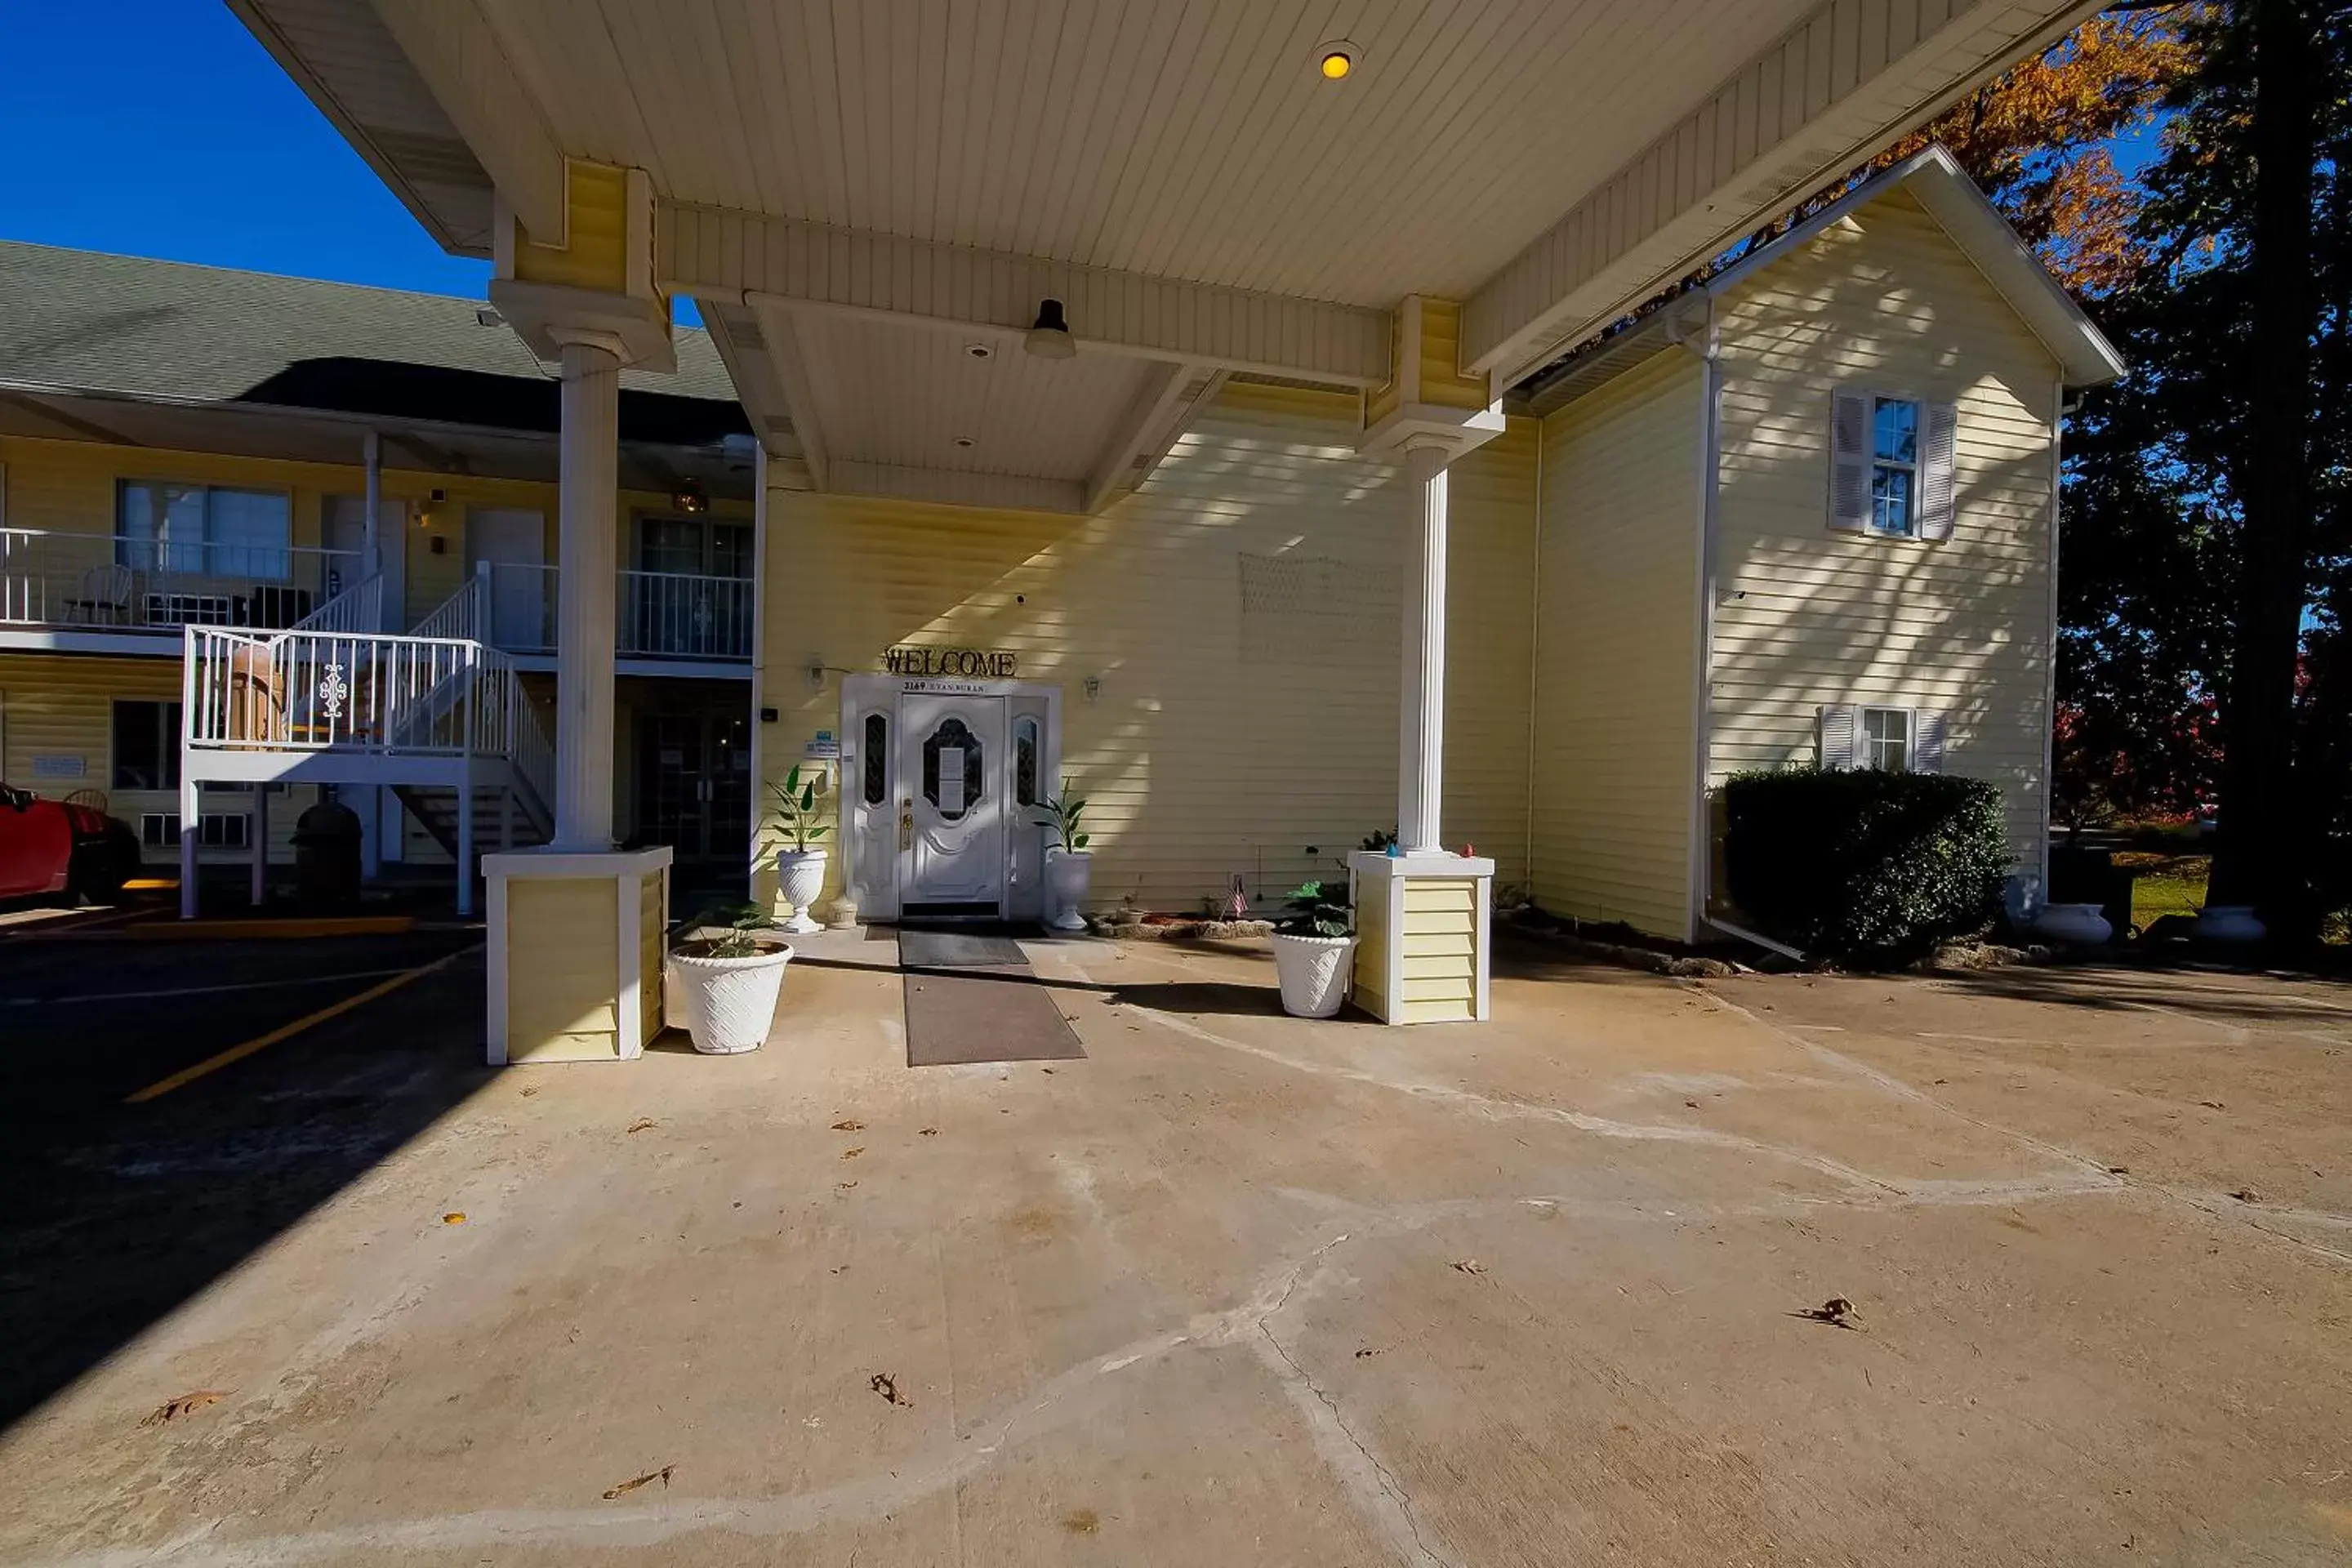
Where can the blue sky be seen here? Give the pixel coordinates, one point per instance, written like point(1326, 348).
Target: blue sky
point(192, 145)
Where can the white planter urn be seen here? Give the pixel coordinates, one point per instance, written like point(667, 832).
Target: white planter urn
point(2233, 923)
point(725, 1004)
point(1314, 972)
point(2077, 925)
point(1068, 872)
point(800, 878)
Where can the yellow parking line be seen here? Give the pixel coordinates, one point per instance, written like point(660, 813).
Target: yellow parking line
point(238, 1052)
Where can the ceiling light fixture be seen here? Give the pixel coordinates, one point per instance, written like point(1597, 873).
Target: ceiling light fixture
point(979, 350)
point(1050, 337)
point(691, 497)
point(966, 441)
point(1336, 61)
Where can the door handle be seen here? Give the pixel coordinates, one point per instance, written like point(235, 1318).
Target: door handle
point(906, 824)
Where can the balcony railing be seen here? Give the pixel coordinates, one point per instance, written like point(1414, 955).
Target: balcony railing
point(660, 615)
point(101, 582)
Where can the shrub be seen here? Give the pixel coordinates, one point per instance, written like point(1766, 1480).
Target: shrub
point(1865, 864)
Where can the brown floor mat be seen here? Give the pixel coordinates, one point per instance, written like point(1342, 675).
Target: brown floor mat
point(998, 1015)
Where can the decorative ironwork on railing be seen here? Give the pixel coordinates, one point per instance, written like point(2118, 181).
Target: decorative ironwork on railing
point(120, 582)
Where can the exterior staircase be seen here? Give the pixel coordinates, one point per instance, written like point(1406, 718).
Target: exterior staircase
point(435, 807)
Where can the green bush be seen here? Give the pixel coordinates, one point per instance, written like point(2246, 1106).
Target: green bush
point(1865, 864)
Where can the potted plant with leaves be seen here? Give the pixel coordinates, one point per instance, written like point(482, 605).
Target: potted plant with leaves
point(1313, 943)
point(724, 978)
point(798, 822)
point(1068, 866)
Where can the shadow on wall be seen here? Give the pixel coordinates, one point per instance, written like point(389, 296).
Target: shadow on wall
point(1241, 613)
point(1806, 617)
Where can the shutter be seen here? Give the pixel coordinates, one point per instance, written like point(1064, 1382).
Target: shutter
point(1850, 462)
point(1835, 734)
point(1939, 438)
point(1927, 739)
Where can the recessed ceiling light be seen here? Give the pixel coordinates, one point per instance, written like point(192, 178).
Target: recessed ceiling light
point(979, 350)
point(966, 441)
point(1335, 59)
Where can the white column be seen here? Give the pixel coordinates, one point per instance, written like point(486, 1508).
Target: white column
point(586, 552)
point(365, 799)
point(1420, 762)
point(191, 825)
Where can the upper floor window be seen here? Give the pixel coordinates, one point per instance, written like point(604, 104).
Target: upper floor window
point(205, 529)
point(1894, 466)
point(1886, 739)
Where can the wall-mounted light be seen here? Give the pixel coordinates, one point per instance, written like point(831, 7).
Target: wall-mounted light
point(817, 672)
point(1050, 338)
point(1094, 687)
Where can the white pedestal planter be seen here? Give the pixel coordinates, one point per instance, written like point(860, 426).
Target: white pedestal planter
point(1067, 873)
point(1313, 970)
point(726, 1003)
point(2078, 925)
point(800, 878)
point(2233, 923)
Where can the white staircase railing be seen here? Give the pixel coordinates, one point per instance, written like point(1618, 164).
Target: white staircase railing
point(368, 693)
point(463, 615)
point(358, 608)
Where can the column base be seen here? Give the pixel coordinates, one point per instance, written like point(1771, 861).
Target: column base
point(1423, 936)
point(575, 953)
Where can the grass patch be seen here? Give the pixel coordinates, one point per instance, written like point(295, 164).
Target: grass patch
point(2166, 884)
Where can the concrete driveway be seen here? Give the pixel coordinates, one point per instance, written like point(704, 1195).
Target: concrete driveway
point(1239, 1289)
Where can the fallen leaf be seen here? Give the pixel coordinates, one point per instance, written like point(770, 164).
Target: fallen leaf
point(843, 1186)
point(640, 1124)
point(1367, 1351)
point(455, 1216)
point(927, 1133)
point(185, 1404)
point(2247, 1196)
point(2212, 1105)
point(883, 1384)
point(1049, 1072)
point(849, 1125)
point(1692, 1104)
point(1470, 1266)
point(531, 1090)
point(1837, 1313)
point(853, 1153)
point(625, 1487)
point(2118, 1170)
point(1081, 1521)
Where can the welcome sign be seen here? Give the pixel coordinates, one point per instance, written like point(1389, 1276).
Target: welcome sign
point(971, 663)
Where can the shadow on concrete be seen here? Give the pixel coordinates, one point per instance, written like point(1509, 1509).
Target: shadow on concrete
point(2219, 996)
point(121, 1211)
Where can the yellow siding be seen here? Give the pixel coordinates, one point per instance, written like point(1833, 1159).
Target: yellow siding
point(1616, 678)
point(1884, 302)
point(1227, 736)
point(1381, 401)
point(61, 705)
point(562, 939)
point(594, 254)
point(1441, 347)
point(1490, 620)
point(1371, 956)
point(1439, 953)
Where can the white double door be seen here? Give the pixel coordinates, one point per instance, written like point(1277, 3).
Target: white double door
point(953, 774)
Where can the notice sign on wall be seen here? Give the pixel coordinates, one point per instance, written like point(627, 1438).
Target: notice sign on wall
point(972, 663)
point(56, 765)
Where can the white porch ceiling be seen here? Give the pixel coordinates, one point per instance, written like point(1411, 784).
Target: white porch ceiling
point(846, 184)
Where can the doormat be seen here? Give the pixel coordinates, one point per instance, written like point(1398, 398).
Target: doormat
point(956, 949)
point(1004, 1014)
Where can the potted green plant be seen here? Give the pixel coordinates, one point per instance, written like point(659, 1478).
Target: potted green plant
point(798, 822)
point(1068, 866)
point(724, 978)
point(1313, 943)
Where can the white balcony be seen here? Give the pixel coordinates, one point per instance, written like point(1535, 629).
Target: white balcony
point(660, 615)
point(96, 581)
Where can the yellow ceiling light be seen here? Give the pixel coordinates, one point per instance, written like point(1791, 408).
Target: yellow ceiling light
point(1335, 59)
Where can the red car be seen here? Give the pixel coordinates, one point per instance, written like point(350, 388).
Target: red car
point(49, 847)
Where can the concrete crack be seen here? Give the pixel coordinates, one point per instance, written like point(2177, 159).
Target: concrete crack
point(1383, 1496)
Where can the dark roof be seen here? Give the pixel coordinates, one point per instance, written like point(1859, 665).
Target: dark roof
point(81, 321)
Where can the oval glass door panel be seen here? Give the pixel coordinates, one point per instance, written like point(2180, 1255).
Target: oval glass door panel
point(955, 854)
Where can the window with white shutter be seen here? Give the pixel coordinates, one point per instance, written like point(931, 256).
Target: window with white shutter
point(1940, 427)
point(1850, 462)
point(1834, 732)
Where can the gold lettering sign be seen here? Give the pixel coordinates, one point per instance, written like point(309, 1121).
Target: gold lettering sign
point(967, 663)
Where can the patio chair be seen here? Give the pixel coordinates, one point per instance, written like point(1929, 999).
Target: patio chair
point(105, 596)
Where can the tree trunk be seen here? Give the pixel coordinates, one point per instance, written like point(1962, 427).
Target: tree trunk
point(2256, 859)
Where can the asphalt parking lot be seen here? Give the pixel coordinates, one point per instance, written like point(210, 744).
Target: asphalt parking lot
point(124, 1208)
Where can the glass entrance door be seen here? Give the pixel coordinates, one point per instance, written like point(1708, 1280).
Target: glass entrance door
point(694, 784)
